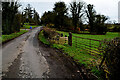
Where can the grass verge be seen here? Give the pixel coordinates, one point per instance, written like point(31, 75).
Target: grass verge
point(6, 38)
point(42, 38)
point(79, 56)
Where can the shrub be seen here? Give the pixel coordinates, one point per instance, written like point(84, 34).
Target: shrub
point(102, 29)
point(112, 58)
point(116, 29)
point(49, 33)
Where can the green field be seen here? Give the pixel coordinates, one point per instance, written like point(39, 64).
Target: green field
point(109, 35)
point(4, 38)
point(11, 36)
point(81, 56)
point(89, 47)
point(92, 44)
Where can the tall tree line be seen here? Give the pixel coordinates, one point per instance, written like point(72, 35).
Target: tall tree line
point(79, 13)
point(13, 19)
point(10, 17)
point(60, 11)
point(96, 21)
point(31, 15)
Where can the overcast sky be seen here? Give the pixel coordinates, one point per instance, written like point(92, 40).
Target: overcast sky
point(106, 7)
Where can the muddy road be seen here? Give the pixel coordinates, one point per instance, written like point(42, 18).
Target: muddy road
point(26, 57)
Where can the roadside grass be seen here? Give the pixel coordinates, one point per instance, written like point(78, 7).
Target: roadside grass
point(89, 60)
point(43, 39)
point(5, 38)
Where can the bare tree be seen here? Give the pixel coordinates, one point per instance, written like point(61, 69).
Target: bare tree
point(77, 13)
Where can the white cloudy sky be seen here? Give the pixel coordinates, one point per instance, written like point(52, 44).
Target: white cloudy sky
point(106, 7)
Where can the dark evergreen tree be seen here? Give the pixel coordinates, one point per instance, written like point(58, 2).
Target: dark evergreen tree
point(48, 18)
point(9, 12)
point(36, 17)
point(28, 14)
point(60, 11)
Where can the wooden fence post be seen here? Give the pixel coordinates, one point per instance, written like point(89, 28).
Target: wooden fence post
point(70, 39)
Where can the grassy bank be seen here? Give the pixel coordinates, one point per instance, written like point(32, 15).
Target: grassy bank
point(5, 38)
point(43, 39)
point(90, 60)
point(78, 54)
